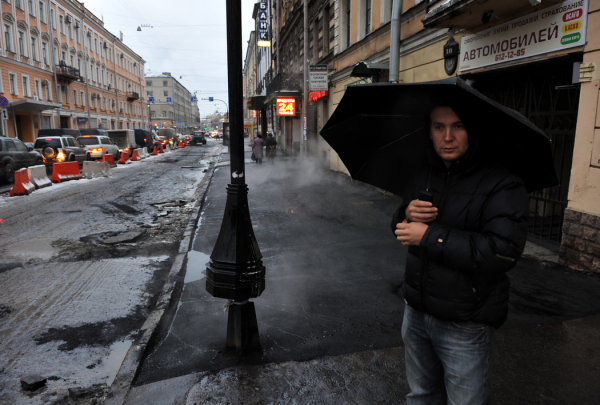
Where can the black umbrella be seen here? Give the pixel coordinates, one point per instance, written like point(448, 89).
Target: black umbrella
point(381, 134)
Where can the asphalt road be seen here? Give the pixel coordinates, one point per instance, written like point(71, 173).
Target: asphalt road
point(72, 302)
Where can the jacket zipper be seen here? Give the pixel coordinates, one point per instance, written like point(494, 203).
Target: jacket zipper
point(424, 251)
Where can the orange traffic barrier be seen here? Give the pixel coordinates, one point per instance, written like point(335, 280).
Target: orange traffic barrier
point(155, 151)
point(124, 157)
point(161, 149)
point(108, 158)
point(22, 184)
point(180, 144)
point(65, 171)
point(135, 157)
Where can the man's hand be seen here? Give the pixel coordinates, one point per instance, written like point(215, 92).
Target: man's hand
point(420, 211)
point(410, 233)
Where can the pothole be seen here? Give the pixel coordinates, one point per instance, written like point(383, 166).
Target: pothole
point(113, 237)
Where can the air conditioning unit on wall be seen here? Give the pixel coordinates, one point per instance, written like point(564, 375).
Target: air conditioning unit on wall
point(69, 19)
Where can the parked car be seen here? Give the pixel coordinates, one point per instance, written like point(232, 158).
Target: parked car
point(124, 139)
point(98, 145)
point(144, 139)
point(60, 145)
point(15, 155)
point(198, 138)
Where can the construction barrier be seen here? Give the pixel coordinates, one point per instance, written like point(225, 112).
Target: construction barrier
point(180, 144)
point(145, 152)
point(65, 171)
point(135, 157)
point(124, 158)
point(161, 149)
point(110, 159)
point(155, 151)
point(37, 175)
point(22, 184)
point(96, 169)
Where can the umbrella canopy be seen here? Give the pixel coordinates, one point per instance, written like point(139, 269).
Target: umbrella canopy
point(381, 132)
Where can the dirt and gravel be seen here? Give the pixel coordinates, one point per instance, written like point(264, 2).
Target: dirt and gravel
point(82, 264)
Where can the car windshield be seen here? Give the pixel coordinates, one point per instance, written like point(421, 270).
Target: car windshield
point(92, 140)
point(41, 143)
point(119, 138)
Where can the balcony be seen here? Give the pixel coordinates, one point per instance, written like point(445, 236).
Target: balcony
point(290, 82)
point(67, 74)
point(133, 96)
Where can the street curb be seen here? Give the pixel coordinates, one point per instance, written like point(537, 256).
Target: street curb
point(128, 370)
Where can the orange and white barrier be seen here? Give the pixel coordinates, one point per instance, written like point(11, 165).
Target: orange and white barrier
point(37, 175)
point(65, 171)
point(96, 169)
point(22, 184)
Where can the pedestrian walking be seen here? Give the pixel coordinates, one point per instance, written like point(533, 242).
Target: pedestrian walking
point(257, 148)
point(271, 148)
point(464, 220)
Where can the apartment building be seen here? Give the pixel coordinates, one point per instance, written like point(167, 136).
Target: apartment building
point(171, 104)
point(60, 68)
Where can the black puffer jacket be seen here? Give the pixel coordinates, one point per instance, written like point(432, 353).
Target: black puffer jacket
point(459, 271)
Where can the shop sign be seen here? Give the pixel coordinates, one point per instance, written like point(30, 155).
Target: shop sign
point(263, 24)
point(286, 107)
point(552, 29)
point(318, 78)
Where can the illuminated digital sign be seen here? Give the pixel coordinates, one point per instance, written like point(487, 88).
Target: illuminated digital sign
point(286, 107)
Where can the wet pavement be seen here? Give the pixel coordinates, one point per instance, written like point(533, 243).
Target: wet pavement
point(330, 315)
point(81, 266)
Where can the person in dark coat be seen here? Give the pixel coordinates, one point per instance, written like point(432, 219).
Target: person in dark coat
point(271, 148)
point(257, 147)
point(460, 247)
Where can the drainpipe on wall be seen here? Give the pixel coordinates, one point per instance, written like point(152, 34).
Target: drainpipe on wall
point(116, 81)
point(305, 97)
point(86, 61)
point(278, 4)
point(53, 63)
point(395, 41)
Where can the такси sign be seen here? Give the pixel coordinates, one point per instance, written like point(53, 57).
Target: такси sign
point(552, 29)
point(317, 78)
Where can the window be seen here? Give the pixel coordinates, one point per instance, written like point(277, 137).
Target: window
point(92, 72)
point(165, 83)
point(48, 91)
point(148, 82)
point(98, 75)
point(38, 88)
point(61, 23)
point(96, 44)
point(70, 29)
point(42, 19)
point(77, 35)
point(64, 56)
point(79, 64)
point(12, 82)
point(34, 48)
point(8, 38)
point(26, 89)
point(21, 43)
point(52, 19)
point(72, 61)
point(150, 93)
point(1, 84)
point(10, 145)
point(166, 93)
point(45, 52)
point(82, 98)
point(368, 9)
point(19, 4)
point(20, 145)
point(75, 97)
point(347, 22)
point(89, 40)
point(31, 8)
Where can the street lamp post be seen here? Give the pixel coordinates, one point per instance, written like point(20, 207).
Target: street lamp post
point(235, 270)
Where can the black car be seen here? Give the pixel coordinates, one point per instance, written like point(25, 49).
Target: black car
point(60, 145)
point(15, 155)
point(198, 138)
point(145, 139)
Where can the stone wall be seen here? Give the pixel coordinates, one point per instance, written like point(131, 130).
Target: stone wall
point(580, 249)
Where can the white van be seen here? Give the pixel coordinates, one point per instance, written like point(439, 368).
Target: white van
point(124, 139)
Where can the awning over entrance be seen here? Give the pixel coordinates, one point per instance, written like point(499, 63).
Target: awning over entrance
point(33, 106)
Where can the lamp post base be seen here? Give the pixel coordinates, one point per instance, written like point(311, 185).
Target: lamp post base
point(242, 328)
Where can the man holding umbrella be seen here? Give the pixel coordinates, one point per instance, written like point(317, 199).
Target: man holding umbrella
point(463, 164)
point(461, 244)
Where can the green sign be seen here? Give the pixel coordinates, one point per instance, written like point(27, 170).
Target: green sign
point(569, 39)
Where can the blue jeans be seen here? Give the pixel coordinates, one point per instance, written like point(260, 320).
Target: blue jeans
point(446, 362)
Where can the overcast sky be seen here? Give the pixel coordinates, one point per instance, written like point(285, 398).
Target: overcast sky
point(187, 38)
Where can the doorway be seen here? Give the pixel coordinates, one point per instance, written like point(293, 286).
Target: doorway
point(544, 93)
point(64, 122)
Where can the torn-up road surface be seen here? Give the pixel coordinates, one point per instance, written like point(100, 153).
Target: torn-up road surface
point(81, 266)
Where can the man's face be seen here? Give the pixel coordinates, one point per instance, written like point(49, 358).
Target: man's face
point(448, 134)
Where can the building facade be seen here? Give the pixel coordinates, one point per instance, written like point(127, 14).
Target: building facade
point(60, 68)
point(171, 104)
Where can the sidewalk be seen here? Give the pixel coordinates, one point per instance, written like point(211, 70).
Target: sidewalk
point(331, 313)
